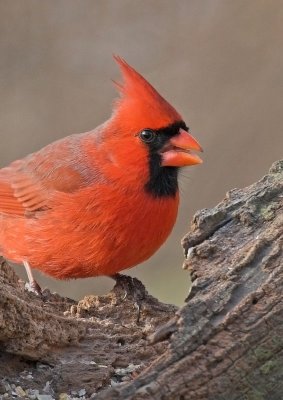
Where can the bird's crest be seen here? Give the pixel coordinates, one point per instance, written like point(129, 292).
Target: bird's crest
point(140, 105)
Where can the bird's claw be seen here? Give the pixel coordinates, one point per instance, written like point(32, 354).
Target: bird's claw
point(34, 287)
point(133, 288)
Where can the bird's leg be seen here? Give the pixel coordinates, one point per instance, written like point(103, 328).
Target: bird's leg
point(34, 286)
point(133, 288)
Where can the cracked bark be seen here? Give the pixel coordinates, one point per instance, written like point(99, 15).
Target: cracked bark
point(226, 342)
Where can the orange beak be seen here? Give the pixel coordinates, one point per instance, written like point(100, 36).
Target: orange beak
point(177, 153)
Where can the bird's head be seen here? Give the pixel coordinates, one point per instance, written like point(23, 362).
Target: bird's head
point(151, 127)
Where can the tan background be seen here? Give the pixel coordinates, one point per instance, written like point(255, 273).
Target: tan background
point(218, 61)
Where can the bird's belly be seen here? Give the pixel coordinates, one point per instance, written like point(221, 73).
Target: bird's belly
point(90, 241)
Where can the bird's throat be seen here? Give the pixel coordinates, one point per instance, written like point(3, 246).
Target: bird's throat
point(163, 181)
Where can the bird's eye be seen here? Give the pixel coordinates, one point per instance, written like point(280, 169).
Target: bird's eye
point(147, 135)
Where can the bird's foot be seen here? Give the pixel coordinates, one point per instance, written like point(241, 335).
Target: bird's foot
point(133, 288)
point(34, 287)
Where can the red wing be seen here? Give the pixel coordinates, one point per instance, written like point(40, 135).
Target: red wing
point(8, 202)
point(28, 185)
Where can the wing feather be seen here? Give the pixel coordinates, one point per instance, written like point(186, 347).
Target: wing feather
point(28, 185)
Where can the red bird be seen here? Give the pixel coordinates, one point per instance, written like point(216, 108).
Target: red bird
point(98, 202)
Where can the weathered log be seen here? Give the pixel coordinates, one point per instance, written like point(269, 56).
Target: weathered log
point(225, 343)
point(86, 345)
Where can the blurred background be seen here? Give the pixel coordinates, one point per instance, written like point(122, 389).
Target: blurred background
point(219, 62)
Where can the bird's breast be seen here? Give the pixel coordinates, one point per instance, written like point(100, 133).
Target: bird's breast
point(113, 230)
point(131, 227)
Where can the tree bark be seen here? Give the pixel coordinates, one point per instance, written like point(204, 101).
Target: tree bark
point(225, 343)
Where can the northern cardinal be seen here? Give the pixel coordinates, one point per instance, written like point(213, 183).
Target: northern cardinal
point(98, 202)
